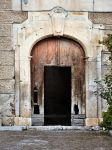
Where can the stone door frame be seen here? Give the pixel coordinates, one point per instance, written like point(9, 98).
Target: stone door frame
point(23, 46)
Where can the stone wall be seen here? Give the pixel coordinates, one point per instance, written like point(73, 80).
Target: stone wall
point(7, 56)
point(102, 18)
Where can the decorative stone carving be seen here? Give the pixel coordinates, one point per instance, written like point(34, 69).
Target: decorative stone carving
point(58, 15)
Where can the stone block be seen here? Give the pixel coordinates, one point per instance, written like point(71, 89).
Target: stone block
point(6, 72)
point(16, 5)
point(5, 29)
point(7, 86)
point(91, 121)
point(101, 18)
point(105, 63)
point(70, 5)
point(20, 121)
point(8, 121)
point(5, 43)
point(7, 107)
point(6, 58)
point(5, 4)
point(102, 5)
point(106, 70)
point(13, 16)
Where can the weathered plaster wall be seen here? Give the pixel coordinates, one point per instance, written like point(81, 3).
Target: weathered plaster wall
point(7, 61)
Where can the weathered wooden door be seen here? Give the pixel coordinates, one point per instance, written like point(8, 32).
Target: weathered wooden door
point(58, 51)
point(57, 95)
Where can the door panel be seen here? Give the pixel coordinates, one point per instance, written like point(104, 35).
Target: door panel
point(59, 51)
point(57, 95)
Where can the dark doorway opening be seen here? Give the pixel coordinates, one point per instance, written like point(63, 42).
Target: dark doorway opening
point(57, 95)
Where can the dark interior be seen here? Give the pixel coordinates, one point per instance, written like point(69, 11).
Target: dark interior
point(57, 95)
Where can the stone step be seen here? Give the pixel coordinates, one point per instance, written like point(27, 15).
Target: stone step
point(37, 120)
point(38, 116)
point(56, 128)
point(37, 123)
point(79, 116)
point(76, 120)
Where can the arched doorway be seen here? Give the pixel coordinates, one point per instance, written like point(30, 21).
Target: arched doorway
point(58, 52)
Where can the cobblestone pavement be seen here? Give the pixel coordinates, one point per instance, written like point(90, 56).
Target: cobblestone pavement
point(55, 140)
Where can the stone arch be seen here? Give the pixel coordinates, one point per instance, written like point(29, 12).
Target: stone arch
point(24, 40)
point(30, 44)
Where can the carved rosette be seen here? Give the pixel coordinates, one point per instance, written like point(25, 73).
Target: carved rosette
point(58, 15)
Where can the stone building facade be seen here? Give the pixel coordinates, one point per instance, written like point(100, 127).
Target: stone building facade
point(26, 24)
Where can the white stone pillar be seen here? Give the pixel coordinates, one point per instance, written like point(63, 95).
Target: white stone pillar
point(91, 99)
point(25, 93)
point(98, 68)
point(17, 80)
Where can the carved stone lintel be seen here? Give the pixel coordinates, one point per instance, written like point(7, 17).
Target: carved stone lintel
point(58, 15)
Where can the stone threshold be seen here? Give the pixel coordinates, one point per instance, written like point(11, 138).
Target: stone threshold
point(49, 128)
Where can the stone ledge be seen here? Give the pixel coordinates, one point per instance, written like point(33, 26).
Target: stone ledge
point(12, 128)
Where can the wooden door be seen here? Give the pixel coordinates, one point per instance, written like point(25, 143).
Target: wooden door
point(57, 95)
point(59, 52)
